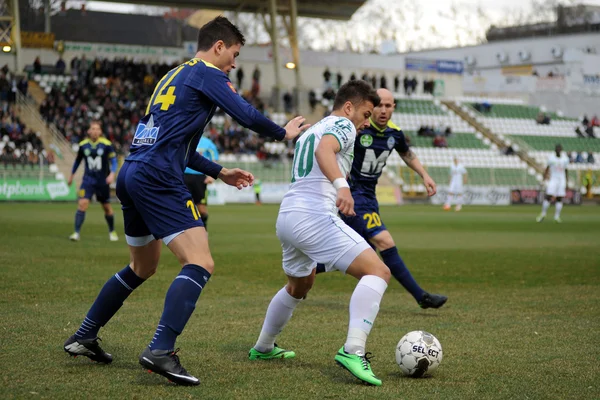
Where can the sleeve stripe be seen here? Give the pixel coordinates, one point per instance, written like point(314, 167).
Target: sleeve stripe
point(336, 138)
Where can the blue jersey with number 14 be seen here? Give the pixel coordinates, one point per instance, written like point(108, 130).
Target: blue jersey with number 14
point(183, 102)
point(372, 148)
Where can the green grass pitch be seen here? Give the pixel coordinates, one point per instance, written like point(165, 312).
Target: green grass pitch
point(522, 320)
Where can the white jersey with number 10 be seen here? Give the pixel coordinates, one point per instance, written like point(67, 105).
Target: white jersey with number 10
point(310, 190)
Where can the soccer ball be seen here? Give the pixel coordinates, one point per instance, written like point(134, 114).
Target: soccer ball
point(418, 353)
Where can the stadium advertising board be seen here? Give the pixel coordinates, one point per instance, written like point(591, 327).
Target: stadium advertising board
point(38, 40)
point(36, 190)
point(535, 196)
point(121, 50)
point(441, 66)
point(477, 195)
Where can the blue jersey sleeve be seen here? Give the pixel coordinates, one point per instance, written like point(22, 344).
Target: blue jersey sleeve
point(112, 156)
point(77, 160)
point(204, 165)
point(219, 89)
point(401, 145)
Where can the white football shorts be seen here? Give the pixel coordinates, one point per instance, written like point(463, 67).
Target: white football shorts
point(556, 188)
point(307, 239)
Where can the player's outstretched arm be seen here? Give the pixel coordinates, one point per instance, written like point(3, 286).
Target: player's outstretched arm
point(546, 173)
point(220, 91)
point(202, 164)
point(410, 158)
point(325, 155)
point(113, 169)
point(236, 177)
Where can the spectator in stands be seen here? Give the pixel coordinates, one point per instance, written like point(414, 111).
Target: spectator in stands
point(23, 85)
point(542, 119)
point(4, 87)
point(413, 85)
point(365, 77)
point(240, 77)
point(508, 151)
point(353, 76)
point(339, 79)
point(287, 102)
point(37, 66)
point(595, 121)
point(327, 75)
point(448, 131)
point(383, 82)
point(374, 81)
point(256, 75)
point(440, 141)
point(590, 158)
point(579, 132)
point(396, 83)
point(579, 158)
point(329, 94)
point(312, 100)
point(60, 66)
point(406, 85)
point(590, 131)
point(585, 121)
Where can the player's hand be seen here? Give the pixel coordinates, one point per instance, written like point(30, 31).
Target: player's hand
point(110, 178)
point(209, 180)
point(236, 177)
point(429, 185)
point(70, 181)
point(345, 202)
point(293, 128)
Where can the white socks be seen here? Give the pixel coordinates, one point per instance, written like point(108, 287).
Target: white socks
point(545, 206)
point(559, 206)
point(278, 314)
point(449, 200)
point(364, 306)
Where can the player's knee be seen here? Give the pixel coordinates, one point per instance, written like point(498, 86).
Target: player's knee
point(144, 270)
point(82, 205)
point(383, 272)
point(383, 242)
point(299, 290)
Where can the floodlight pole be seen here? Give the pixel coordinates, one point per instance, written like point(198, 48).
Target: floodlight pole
point(295, 52)
point(47, 10)
point(276, 101)
point(16, 35)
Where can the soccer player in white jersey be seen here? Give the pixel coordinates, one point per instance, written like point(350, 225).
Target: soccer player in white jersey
point(458, 178)
point(557, 184)
point(311, 231)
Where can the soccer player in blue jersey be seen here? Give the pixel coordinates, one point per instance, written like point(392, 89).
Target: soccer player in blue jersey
point(372, 148)
point(100, 161)
point(157, 206)
point(197, 182)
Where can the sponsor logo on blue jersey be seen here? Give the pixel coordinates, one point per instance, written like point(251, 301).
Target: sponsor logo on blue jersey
point(391, 142)
point(145, 134)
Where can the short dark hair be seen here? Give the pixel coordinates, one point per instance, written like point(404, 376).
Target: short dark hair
point(96, 122)
point(356, 92)
point(219, 28)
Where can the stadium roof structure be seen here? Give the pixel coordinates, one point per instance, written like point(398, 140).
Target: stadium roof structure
point(329, 9)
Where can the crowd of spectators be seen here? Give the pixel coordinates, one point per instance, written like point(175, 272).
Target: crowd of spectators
point(19, 144)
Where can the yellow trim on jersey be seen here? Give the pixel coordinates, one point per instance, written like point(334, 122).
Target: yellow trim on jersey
point(390, 125)
point(104, 141)
point(84, 141)
point(207, 63)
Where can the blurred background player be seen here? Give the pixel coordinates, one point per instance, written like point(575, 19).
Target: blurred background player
point(372, 148)
point(557, 184)
point(257, 189)
point(197, 182)
point(158, 207)
point(458, 178)
point(100, 161)
point(311, 232)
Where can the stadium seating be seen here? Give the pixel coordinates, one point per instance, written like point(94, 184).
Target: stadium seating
point(514, 111)
point(25, 171)
point(456, 140)
point(47, 82)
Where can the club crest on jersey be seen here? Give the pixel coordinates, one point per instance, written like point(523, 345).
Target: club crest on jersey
point(231, 87)
point(145, 134)
point(366, 140)
point(87, 152)
point(100, 151)
point(391, 142)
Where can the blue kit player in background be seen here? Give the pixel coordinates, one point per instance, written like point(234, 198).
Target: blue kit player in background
point(372, 148)
point(197, 182)
point(100, 161)
point(157, 206)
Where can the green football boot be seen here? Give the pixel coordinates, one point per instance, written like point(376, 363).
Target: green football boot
point(277, 352)
point(358, 365)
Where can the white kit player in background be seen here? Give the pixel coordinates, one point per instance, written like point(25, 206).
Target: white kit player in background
point(458, 178)
point(557, 184)
point(311, 232)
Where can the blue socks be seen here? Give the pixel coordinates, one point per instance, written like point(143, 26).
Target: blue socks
point(394, 262)
point(79, 218)
point(110, 220)
point(108, 302)
point(179, 305)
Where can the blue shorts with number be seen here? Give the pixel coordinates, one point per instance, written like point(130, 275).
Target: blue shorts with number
point(90, 187)
point(153, 202)
point(367, 221)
